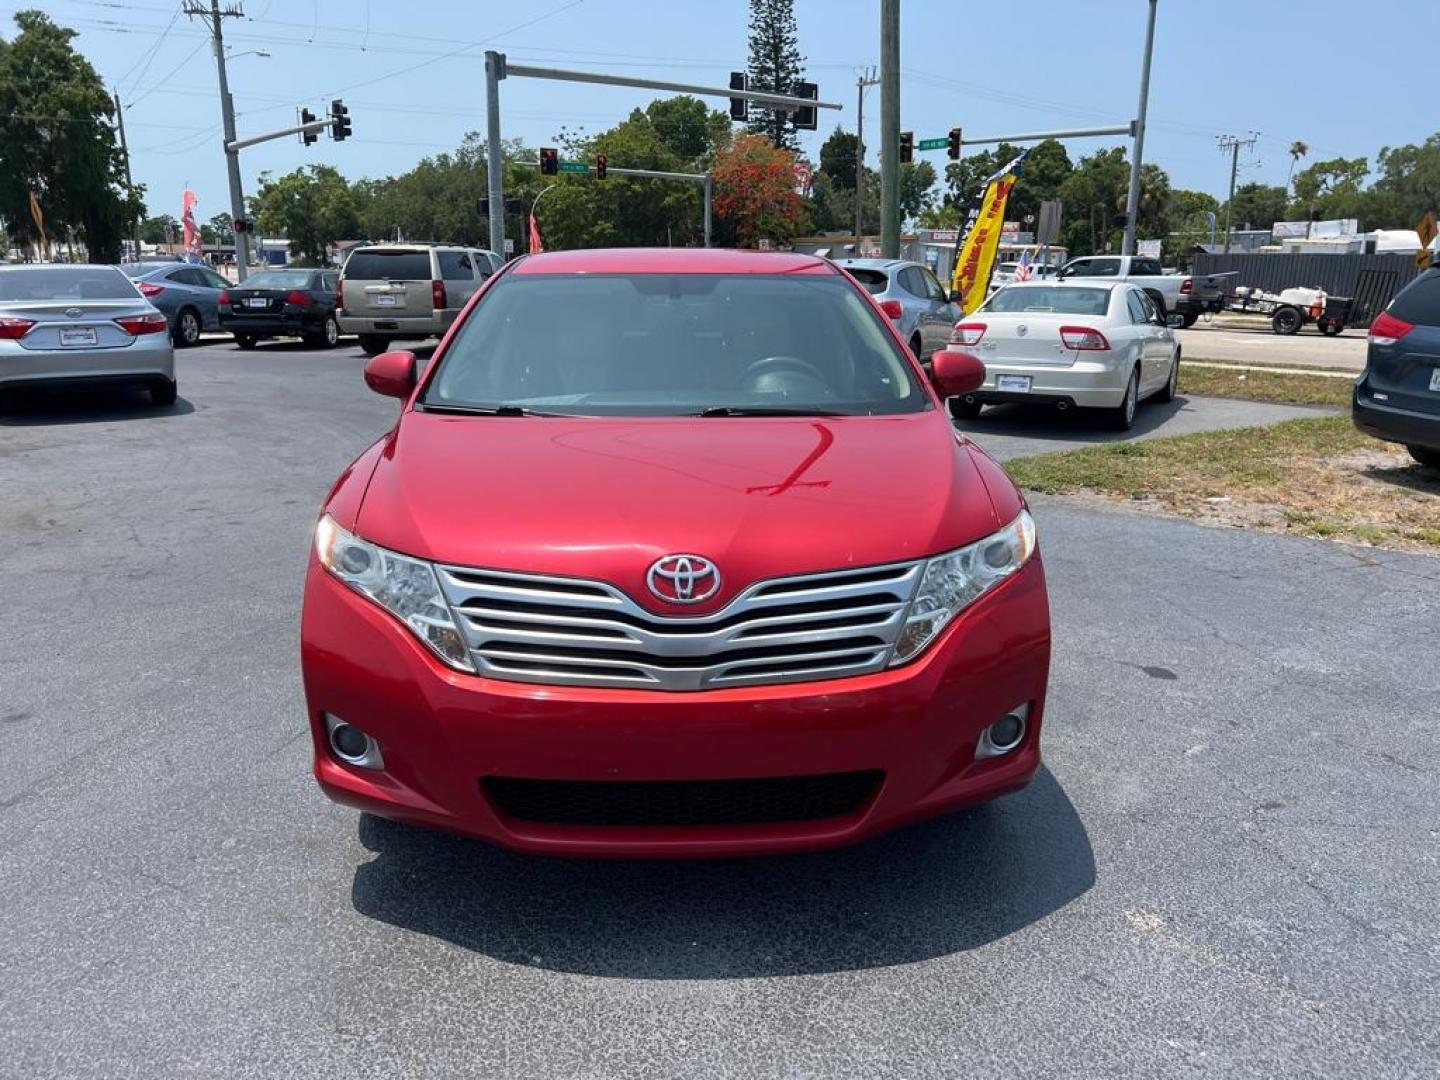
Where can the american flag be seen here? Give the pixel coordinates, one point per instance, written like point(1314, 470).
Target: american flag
point(1024, 270)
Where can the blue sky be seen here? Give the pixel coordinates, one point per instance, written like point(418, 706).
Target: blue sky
point(412, 73)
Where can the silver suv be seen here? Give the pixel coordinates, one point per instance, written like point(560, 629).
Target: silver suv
point(392, 292)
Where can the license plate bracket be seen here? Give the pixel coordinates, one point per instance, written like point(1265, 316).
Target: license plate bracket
point(1013, 384)
point(77, 336)
point(385, 300)
point(257, 302)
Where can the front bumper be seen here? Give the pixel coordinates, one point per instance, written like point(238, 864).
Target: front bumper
point(150, 358)
point(442, 731)
point(1088, 384)
point(1391, 424)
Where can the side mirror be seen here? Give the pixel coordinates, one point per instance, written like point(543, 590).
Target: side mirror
point(956, 296)
point(392, 373)
point(1174, 322)
point(954, 373)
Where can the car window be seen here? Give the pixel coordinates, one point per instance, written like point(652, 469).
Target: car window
point(214, 280)
point(1152, 314)
point(1078, 268)
point(1419, 302)
point(911, 281)
point(1132, 305)
point(279, 279)
point(1146, 267)
point(1103, 268)
point(455, 266)
point(66, 283)
point(1060, 299)
point(873, 281)
point(388, 266)
point(676, 344)
point(329, 282)
point(183, 276)
point(932, 287)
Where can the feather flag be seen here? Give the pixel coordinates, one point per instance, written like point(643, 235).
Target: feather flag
point(194, 247)
point(535, 246)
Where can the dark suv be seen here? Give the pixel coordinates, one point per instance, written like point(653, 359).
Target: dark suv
point(1398, 397)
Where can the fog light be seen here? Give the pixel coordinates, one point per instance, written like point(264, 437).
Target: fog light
point(1004, 735)
point(353, 746)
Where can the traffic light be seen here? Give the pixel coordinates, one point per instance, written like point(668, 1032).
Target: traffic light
point(907, 147)
point(602, 162)
point(739, 107)
point(954, 149)
point(549, 161)
point(339, 121)
point(805, 118)
point(308, 137)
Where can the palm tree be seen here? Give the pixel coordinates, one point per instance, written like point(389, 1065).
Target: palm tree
point(1298, 150)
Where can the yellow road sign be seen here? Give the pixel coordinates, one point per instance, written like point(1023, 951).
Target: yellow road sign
point(1427, 229)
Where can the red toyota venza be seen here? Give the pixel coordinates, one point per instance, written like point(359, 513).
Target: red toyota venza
point(673, 553)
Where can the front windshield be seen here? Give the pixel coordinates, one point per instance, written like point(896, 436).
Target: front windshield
point(1061, 300)
point(675, 344)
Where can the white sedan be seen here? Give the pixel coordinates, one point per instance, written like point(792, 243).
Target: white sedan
point(1087, 345)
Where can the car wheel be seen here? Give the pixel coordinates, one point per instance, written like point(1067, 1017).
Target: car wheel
point(1122, 416)
point(1331, 328)
point(372, 345)
point(1191, 318)
point(963, 408)
point(245, 341)
point(187, 328)
point(1172, 384)
point(331, 335)
point(1426, 456)
point(1286, 320)
point(163, 393)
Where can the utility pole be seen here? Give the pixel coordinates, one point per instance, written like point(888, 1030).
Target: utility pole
point(1233, 143)
point(867, 79)
point(1132, 202)
point(129, 183)
point(890, 128)
point(227, 115)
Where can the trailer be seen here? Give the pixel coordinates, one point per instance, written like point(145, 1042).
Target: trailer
point(1291, 309)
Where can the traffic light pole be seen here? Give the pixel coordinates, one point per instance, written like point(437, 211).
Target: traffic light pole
point(497, 68)
point(297, 129)
point(1132, 199)
point(227, 117)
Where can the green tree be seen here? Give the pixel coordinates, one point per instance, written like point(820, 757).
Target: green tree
point(837, 158)
point(56, 141)
point(775, 66)
point(1257, 206)
point(917, 179)
point(1094, 195)
point(1408, 186)
point(311, 207)
point(1190, 217)
point(152, 229)
point(1331, 189)
point(219, 229)
point(1298, 149)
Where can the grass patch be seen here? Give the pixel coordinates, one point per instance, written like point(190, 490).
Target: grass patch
point(1287, 388)
point(1318, 477)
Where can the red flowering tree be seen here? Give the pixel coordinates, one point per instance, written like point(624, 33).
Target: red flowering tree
point(755, 191)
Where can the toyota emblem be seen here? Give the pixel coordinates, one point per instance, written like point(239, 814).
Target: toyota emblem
point(74, 312)
point(683, 579)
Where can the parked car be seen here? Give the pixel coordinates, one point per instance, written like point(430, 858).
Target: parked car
point(80, 324)
point(188, 294)
point(700, 568)
point(408, 292)
point(1398, 396)
point(1186, 295)
point(1070, 344)
point(1005, 273)
point(283, 303)
point(910, 294)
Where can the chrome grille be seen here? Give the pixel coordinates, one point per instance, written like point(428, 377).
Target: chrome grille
point(538, 629)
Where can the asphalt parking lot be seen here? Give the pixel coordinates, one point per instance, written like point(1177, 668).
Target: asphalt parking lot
point(1229, 867)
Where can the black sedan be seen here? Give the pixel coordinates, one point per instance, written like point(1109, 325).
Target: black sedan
point(283, 303)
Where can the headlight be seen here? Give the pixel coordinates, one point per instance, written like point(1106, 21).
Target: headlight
point(403, 586)
point(955, 580)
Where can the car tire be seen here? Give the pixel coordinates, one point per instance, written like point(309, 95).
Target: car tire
point(1191, 318)
point(1122, 416)
point(330, 336)
point(187, 328)
point(1331, 328)
point(962, 409)
point(1426, 456)
point(245, 341)
point(373, 344)
point(1286, 321)
point(164, 392)
point(1172, 384)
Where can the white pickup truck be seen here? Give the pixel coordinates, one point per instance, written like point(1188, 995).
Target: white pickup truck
point(1176, 294)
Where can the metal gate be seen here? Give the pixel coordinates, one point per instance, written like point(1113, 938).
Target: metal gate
point(1373, 291)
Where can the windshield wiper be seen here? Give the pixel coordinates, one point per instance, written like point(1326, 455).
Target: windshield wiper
point(767, 410)
point(486, 410)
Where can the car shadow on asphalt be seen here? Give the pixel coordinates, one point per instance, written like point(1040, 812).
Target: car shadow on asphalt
point(1047, 423)
point(55, 407)
point(929, 890)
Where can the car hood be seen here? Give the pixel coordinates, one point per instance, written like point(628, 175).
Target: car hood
point(604, 498)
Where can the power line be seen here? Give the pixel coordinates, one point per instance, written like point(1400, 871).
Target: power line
point(169, 75)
